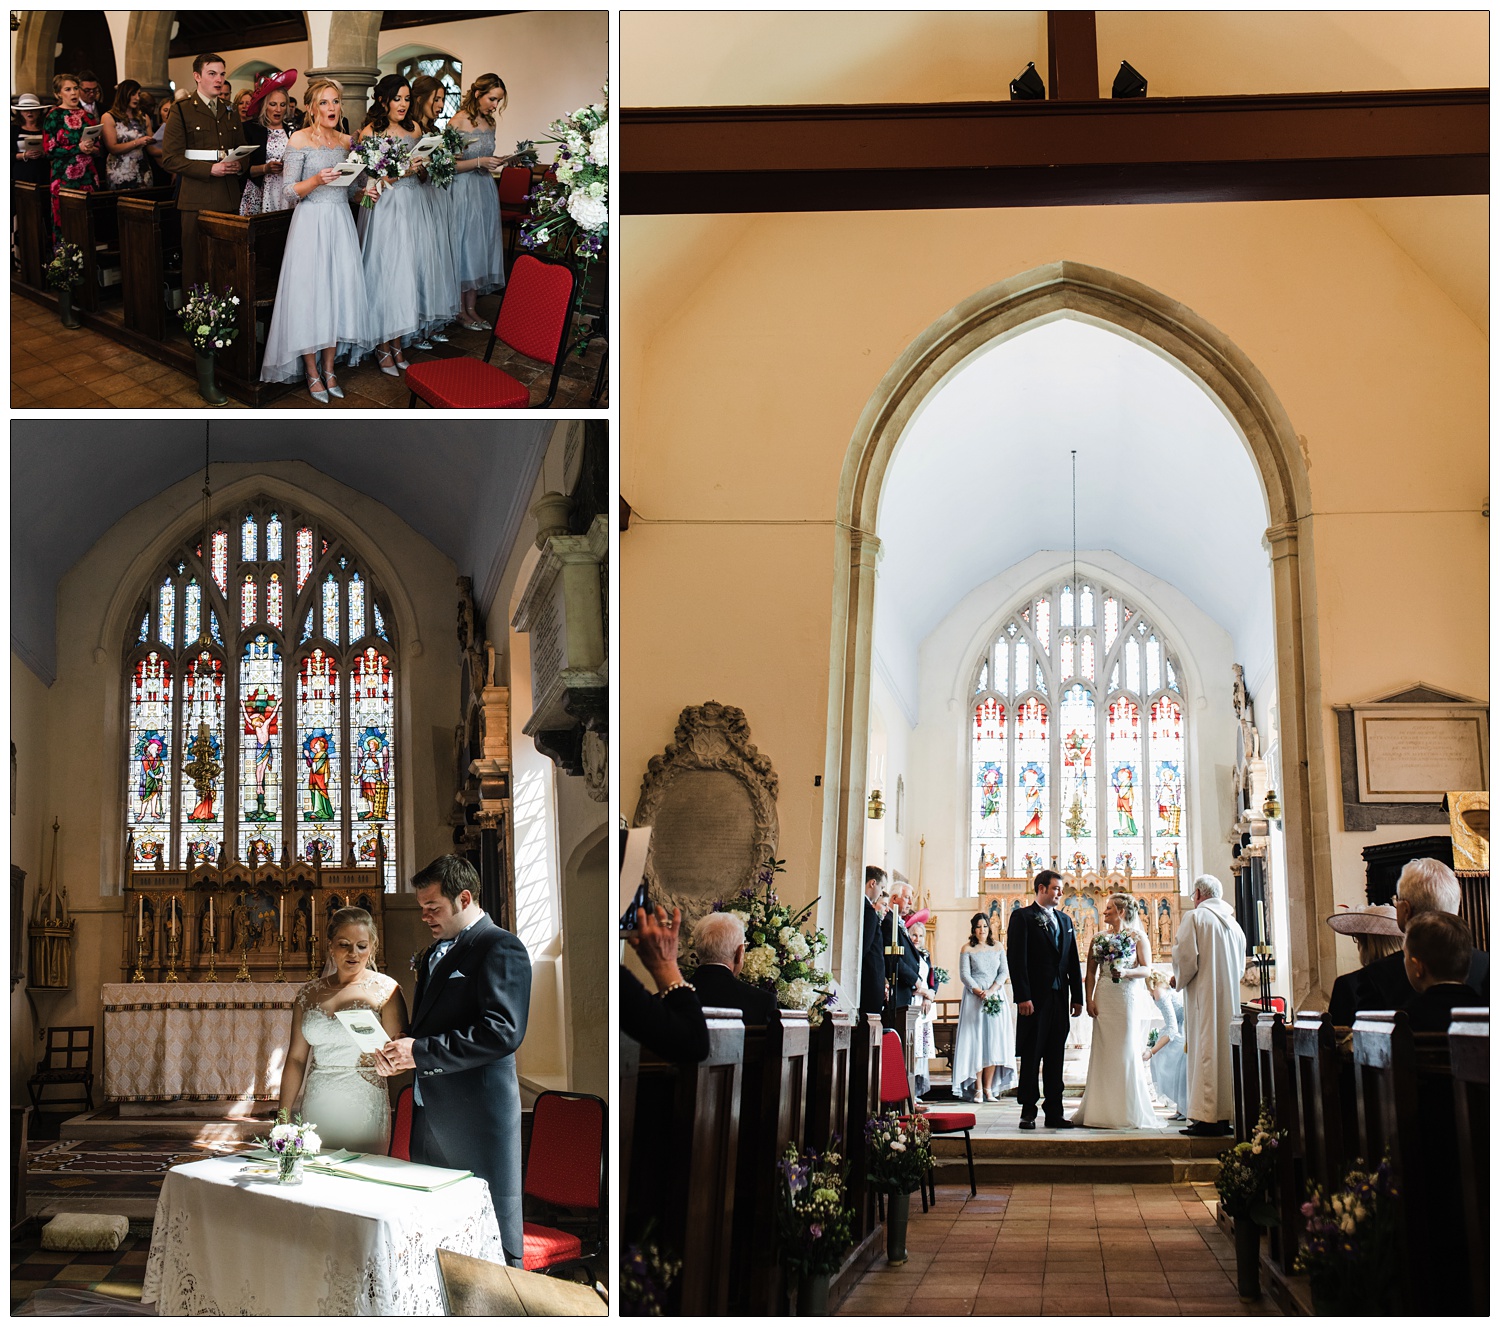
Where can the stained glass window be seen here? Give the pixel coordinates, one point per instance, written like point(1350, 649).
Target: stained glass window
point(272, 748)
point(1078, 778)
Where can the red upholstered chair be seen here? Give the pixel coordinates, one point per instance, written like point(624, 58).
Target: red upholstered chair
point(564, 1168)
point(401, 1126)
point(535, 311)
point(514, 183)
point(896, 1090)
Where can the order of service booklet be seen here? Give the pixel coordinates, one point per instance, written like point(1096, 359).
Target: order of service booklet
point(365, 1027)
point(388, 1170)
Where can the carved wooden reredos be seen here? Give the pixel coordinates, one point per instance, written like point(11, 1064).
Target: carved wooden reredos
point(710, 799)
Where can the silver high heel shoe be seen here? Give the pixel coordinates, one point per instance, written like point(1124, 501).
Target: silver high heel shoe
point(383, 358)
point(320, 397)
point(332, 384)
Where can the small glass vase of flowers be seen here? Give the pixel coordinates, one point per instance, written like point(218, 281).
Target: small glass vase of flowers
point(292, 1140)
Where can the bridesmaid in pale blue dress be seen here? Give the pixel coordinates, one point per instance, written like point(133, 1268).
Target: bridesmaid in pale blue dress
point(1167, 1058)
point(428, 97)
point(478, 249)
point(406, 257)
point(322, 310)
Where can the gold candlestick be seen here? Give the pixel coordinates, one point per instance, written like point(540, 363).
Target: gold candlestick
point(244, 973)
point(140, 942)
point(312, 958)
point(280, 953)
point(174, 935)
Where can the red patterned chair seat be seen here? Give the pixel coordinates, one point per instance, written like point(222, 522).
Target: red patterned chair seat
point(950, 1121)
point(461, 383)
point(545, 1247)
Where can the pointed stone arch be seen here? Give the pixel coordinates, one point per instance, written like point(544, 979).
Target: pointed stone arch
point(34, 60)
point(148, 38)
point(1161, 324)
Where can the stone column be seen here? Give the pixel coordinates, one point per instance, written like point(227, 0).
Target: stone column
point(356, 84)
point(33, 62)
point(147, 41)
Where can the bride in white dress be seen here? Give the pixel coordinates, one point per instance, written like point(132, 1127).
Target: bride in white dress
point(342, 1094)
point(1117, 1094)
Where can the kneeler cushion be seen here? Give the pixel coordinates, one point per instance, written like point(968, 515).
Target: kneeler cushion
point(84, 1230)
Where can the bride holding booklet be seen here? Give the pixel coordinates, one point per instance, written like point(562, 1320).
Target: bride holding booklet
point(334, 1020)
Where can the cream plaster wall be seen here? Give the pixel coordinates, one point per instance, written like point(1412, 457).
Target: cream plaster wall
point(745, 377)
point(552, 61)
point(81, 714)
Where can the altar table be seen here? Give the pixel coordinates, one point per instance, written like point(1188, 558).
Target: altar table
point(229, 1240)
point(196, 1041)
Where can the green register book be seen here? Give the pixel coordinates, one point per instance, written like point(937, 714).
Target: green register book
point(375, 1169)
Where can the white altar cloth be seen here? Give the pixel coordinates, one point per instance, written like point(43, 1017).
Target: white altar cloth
point(229, 1241)
point(196, 1041)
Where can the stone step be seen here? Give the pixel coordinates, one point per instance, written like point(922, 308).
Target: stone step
point(951, 1169)
point(110, 1124)
point(1084, 1144)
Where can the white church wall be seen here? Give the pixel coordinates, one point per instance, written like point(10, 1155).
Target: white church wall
point(889, 841)
point(83, 712)
point(735, 540)
point(940, 744)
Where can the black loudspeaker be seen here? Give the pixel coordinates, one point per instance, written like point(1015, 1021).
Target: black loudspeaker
point(1029, 86)
point(1128, 83)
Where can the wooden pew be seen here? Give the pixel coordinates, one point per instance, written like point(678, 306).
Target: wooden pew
point(243, 254)
point(1245, 1073)
point(864, 1101)
point(1396, 1075)
point(683, 1157)
point(1469, 1054)
point(773, 1114)
point(1274, 1071)
point(1323, 1085)
point(828, 1081)
point(33, 231)
point(905, 1023)
point(150, 260)
point(630, 1069)
point(90, 220)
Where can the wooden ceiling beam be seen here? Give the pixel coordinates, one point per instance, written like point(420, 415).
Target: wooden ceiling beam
point(1072, 55)
point(745, 159)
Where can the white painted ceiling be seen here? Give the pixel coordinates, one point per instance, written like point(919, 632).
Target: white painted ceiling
point(982, 480)
point(463, 484)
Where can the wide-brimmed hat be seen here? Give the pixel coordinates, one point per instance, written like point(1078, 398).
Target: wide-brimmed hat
point(27, 101)
point(265, 84)
point(1376, 919)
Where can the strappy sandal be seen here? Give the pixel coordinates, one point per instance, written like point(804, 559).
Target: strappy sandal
point(320, 396)
point(383, 358)
point(400, 363)
point(333, 386)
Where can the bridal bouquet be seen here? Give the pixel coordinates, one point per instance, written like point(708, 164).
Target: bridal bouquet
point(814, 1225)
point(570, 215)
point(209, 319)
point(385, 160)
point(780, 955)
point(292, 1140)
point(993, 1004)
point(940, 975)
point(1350, 1247)
point(1116, 950)
point(1244, 1180)
point(442, 165)
point(900, 1151)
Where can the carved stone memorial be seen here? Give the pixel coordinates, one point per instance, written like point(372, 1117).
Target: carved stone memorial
point(710, 799)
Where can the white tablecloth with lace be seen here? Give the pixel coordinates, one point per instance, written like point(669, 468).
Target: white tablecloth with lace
point(230, 1241)
point(196, 1041)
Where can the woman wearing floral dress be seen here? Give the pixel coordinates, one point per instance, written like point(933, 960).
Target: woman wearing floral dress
point(322, 311)
point(478, 248)
point(264, 184)
point(126, 131)
point(984, 1047)
point(74, 164)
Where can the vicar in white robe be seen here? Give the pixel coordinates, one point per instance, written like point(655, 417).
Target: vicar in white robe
point(1208, 959)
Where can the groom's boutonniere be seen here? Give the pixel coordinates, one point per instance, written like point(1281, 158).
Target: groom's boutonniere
point(419, 958)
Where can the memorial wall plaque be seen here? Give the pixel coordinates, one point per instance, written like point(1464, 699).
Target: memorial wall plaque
point(710, 799)
point(1415, 753)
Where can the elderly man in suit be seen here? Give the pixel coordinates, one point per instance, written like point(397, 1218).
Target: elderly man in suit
point(719, 942)
point(468, 1019)
point(201, 130)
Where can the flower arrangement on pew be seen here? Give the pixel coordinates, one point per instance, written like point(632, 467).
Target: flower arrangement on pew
point(900, 1151)
point(570, 216)
point(65, 270)
point(814, 1224)
point(647, 1273)
point(209, 319)
point(292, 1140)
point(1244, 1179)
point(780, 955)
point(1350, 1249)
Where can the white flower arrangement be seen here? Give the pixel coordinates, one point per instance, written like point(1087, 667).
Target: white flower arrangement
point(570, 214)
point(292, 1139)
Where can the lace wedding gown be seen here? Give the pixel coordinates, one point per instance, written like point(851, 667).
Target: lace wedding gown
point(1117, 1094)
point(342, 1094)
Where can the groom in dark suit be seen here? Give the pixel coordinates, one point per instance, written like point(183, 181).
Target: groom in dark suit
point(468, 1019)
point(1042, 951)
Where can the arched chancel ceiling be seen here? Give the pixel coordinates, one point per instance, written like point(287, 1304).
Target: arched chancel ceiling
point(982, 480)
point(464, 485)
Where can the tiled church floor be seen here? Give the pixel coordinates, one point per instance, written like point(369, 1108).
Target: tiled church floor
point(52, 368)
point(1085, 1249)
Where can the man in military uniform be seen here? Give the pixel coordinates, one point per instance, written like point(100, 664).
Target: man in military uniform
point(193, 146)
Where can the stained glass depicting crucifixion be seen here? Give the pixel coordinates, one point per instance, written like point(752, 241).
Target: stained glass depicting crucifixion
point(261, 718)
point(1090, 770)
